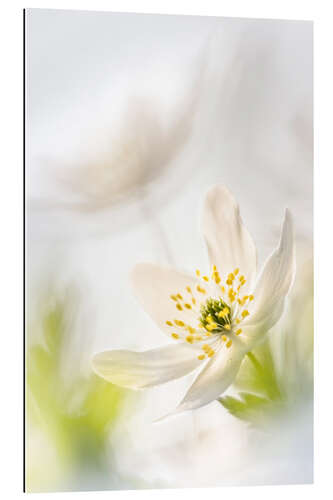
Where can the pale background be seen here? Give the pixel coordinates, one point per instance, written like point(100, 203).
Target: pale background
point(11, 203)
point(130, 119)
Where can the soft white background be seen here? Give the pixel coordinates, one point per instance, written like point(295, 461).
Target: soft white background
point(251, 130)
point(11, 329)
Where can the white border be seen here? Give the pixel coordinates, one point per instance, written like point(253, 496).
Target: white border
point(11, 247)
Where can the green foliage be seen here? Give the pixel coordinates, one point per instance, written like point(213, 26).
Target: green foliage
point(75, 414)
point(260, 396)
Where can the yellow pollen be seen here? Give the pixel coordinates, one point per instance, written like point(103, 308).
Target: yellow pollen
point(188, 306)
point(211, 353)
point(236, 271)
point(179, 307)
point(245, 313)
point(189, 289)
point(173, 297)
point(228, 344)
point(190, 329)
point(229, 282)
point(224, 338)
point(222, 289)
point(205, 347)
point(238, 321)
point(239, 331)
point(189, 339)
point(175, 335)
point(201, 357)
point(227, 327)
point(179, 296)
point(179, 323)
point(169, 323)
point(198, 337)
point(197, 272)
point(205, 278)
point(211, 327)
point(193, 301)
point(214, 268)
point(251, 297)
point(241, 278)
point(231, 277)
point(201, 290)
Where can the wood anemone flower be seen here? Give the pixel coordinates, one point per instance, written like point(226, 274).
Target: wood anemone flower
point(214, 320)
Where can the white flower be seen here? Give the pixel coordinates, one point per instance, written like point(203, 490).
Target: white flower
point(213, 319)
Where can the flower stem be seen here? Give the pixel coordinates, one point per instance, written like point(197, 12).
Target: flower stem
point(254, 361)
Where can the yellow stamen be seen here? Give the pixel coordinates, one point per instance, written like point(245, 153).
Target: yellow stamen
point(189, 339)
point(227, 327)
point(239, 331)
point(245, 313)
point(173, 297)
point(188, 306)
point(205, 278)
point(179, 296)
point(197, 272)
point(169, 323)
point(201, 357)
point(211, 353)
point(236, 271)
point(179, 307)
point(175, 335)
point(224, 338)
point(251, 297)
point(179, 323)
point(193, 301)
point(228, 344)
point(189, 289)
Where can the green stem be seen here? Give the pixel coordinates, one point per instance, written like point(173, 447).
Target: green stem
point(254, 361)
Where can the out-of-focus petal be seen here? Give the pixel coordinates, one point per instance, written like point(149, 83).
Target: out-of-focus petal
point(273, 283)
point(137, 370)
point(229, 244)
point(153, 286)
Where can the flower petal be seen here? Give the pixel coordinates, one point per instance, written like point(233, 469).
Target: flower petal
point(137, 370)
point(273, 283)
point(229, 244)
point(153, 286)
point(214, 378)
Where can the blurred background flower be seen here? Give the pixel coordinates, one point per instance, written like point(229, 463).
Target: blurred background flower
point(130, 118)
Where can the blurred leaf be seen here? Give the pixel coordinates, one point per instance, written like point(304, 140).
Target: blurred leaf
point(76, 415)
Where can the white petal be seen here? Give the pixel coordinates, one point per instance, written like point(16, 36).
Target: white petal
point(153, 286)
point(273, 283)
point(137, 370)
point(229, 244)
point(215, 377)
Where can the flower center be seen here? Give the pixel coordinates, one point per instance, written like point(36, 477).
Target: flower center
point(218, 316)
point(215, 315)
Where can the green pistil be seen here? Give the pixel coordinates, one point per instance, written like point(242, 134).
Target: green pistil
point(212, 311)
